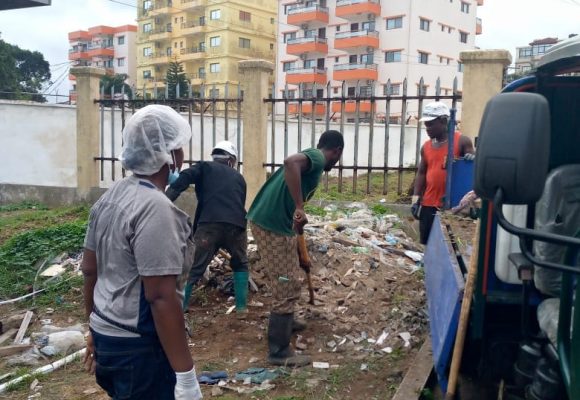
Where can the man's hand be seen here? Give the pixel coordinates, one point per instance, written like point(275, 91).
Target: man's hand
point(89, 361)
point(187, 386)
point(300, 220)
point(416, 207)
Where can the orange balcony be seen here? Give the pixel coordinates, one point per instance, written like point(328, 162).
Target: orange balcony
point(304, 15)
point(478, 26)
point(349, 8)
point(350, 106)
point(101, 52)
point(79, 36)
point(78, 55)
point(347, 40)
point(319, 109)
point(307, 45)
point(306, 75)
point(356, 72)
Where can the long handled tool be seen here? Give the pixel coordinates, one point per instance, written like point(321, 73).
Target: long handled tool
point(305, 264)
point(463, 319)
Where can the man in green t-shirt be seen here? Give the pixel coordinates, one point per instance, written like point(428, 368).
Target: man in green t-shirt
point(276, 215)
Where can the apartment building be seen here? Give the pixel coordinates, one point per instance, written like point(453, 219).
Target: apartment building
point(208, 37)
point(528, 56)
point(112, 48)
point(371, 42)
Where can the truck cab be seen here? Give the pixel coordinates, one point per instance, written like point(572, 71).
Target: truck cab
point(523, 338)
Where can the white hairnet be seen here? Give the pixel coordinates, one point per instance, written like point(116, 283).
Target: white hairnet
point(150, 135)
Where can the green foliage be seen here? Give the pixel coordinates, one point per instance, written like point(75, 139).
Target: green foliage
point(314, 210)
point(115, 83)
point(176, 76)
point(22, 72)
point(379, 209)
point(19, 254)
point(25, 205)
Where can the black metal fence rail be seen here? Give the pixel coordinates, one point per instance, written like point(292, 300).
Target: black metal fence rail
point(376, 105)
point(200, 107)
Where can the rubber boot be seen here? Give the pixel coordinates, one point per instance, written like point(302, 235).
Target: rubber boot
point(186, 295)
point(241, 292)
point(279, 335)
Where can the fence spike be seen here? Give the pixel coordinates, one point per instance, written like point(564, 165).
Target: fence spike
point(202, 91)
point(213, 92)
point(405, 87)
point(226, 90)
point(438, 87)
point(166, 91)
point(389, 90)
point(455, 84)
point(420, 88)
point(155, 94)
point(177, 91)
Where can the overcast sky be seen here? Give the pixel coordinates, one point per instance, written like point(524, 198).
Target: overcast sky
point(506, 24)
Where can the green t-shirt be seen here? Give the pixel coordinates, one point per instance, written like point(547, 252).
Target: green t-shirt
point(273, 207)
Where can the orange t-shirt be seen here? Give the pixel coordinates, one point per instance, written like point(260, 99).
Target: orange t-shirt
point(436, 160)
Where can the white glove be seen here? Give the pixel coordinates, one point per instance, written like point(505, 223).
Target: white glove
point(186, 386)
point(469, 157)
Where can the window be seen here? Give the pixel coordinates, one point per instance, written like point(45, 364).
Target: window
point(336, 59)
point(525, 52)
point(290, 94)
point(286, 66)
point(121, 40)
point(214, 68)
point(215, 14)
point(459, 67)
point(120, 62)
point(168, 51)
point(214, 93)
point(338, 28)
point(393, 56)
point(244, 43)
point(463, 37)
point(147, 52)
point(423, 58)
point(215, 41)
point(465, 7)
point(366, 91)
point(289, 35)
point(335, 90)
point(309, 64)
point(394, 90)
point(201, 72)
point(394, 23)
point(424, 24)
point(147, 28)
point(181, 44)
point(245, 16)
point(147, 5)
point(271, 46)
point(272, 20)
point(175, 44)
point(367, 58)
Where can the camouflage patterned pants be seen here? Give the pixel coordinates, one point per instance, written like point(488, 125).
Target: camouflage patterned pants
point(279, 259)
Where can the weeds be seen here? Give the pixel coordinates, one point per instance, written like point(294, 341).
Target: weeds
point(25, 205)
point(314, 210)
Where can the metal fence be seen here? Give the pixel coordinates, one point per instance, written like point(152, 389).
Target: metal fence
point(211, 118)
point(375, 126)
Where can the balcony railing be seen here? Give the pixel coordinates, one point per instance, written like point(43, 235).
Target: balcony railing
point(311, 70)
point(349, 2)
point(312, 39)
point(191, 50)
point(352, 34)
point(306, 9)
point(353, 66)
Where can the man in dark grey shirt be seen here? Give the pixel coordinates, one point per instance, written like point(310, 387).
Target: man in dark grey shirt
point(220, 217)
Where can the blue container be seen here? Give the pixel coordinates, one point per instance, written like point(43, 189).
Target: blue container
point(461, 179)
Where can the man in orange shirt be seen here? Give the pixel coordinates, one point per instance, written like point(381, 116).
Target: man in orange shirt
point(432, 172)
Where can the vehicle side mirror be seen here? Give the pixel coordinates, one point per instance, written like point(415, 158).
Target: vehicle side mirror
point(514, 148)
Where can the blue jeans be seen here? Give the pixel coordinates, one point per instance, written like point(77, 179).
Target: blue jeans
point(133, 368)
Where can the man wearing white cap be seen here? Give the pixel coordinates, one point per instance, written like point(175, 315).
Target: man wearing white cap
point(431, 176)
point(220, 217)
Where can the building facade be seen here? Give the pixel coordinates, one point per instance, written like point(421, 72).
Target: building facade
point(112, 48)
point(528, 56)
point(208, 38)
point(371, 42)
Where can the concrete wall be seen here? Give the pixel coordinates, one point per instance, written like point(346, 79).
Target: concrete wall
point(37, 144)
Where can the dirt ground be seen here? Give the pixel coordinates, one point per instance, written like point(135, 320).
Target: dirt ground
point(368, 321)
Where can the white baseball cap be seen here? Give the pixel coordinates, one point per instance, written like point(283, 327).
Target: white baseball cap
point(226, 146)
point(434, 110)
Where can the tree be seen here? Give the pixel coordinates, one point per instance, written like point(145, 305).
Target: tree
point(176, 76)
point(117, 84)
point(22, 72)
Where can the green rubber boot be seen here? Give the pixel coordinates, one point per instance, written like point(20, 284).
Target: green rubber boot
point(186, 295)
point(241, 291)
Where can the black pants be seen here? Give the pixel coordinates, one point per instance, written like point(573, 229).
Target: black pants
point(209, 238)
point(425, 222)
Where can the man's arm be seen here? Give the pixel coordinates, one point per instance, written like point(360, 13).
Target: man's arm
point(421, 178)
point(168, 316)
point(465, 146)
point(189, 176)
point(89, 269)
point(294, 166)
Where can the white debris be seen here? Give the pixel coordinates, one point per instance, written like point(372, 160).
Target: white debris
point(320, 365)
point(406, 336)
point(382, 338)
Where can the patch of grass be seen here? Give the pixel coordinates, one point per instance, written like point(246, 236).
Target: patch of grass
point(376, 188)
point(379, 209)
point(314, 210)
point(25, 383)
point(340, 376)
point(25, 205)
point(212, 366)
point(20, 254)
